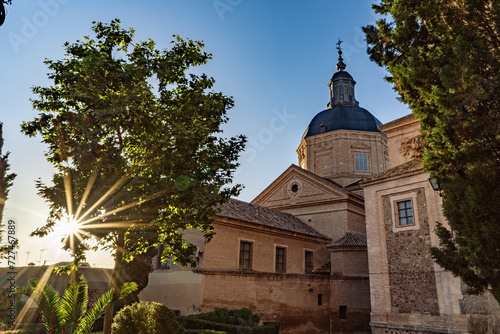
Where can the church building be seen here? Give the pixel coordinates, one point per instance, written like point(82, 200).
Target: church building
point(336, 244)
point(297, 253)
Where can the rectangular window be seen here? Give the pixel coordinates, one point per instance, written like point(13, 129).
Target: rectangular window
point(320, 299)
point(346, 93)
point(280, 259)
point(245, 255)
point(361, 161)
point(343, 312)
point(405, 213)
point(461, 306)
point(308, 257)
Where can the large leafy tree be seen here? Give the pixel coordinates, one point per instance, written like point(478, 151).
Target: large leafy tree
point(6, 180)
point(135, 137)
point(444, 60)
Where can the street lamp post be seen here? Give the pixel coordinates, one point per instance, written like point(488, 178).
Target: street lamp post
point(41, 252)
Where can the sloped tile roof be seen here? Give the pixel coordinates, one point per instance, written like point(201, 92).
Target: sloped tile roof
point(324, 269)
point(257, 214)
point(407, 167)
point(350, 238)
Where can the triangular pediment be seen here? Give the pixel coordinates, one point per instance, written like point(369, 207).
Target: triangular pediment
point(298, 186)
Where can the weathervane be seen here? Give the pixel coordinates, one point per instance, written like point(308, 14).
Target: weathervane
point(338, 47)
point(340, 65)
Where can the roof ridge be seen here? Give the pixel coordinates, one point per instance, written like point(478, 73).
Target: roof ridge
point(257, 214)
point(351, 238)
point(324, 179)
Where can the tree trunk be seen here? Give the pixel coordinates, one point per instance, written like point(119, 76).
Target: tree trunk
point(116, 282)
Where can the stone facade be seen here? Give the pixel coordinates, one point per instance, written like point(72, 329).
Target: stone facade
point(314, 214)
point(222, 253)
point(400, 132)
point(429, 300)
point(302, 302)
point(332, 154)
point(411, 272)
point(409, 292)
point(290, 299)
point(369, 229)
point(398, 331)
point(319, 202)
point(354, 296)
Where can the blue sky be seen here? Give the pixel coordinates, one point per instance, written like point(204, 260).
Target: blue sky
point(274, 58)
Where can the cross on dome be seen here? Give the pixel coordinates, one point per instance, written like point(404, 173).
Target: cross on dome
point(340, 65)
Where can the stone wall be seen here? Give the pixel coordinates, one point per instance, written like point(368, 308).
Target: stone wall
point(329, 219)
point(483, 313)
point(354, 295)
point(399, 132)
point(291, 300)
point(355, 220)
point(331, 154)
point(398, 331)
point(411, 271)
point(222, 252)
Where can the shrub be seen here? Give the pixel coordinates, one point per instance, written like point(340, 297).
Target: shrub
point(201, 331)
point(241, 321)
point(242, 317)
point(145, 318)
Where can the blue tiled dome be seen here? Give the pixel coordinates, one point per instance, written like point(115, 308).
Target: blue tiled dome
point(342, 118)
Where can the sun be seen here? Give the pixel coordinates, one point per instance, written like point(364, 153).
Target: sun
point(67, 226)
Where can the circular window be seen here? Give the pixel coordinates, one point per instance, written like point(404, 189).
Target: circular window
point(294, 188)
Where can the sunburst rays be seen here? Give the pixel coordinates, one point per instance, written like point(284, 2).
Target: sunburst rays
point(84, 222)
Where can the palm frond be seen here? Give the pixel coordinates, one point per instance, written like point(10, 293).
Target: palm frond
point(88, 319)
point(48, 301)
point(86, 322)
point(74, 303)
point(128, 288)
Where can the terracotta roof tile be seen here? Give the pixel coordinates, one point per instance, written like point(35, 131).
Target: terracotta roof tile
point(325, 268)
point(257, 214)
point(350, 238)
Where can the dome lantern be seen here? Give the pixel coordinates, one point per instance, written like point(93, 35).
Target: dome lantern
point(341, 85)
